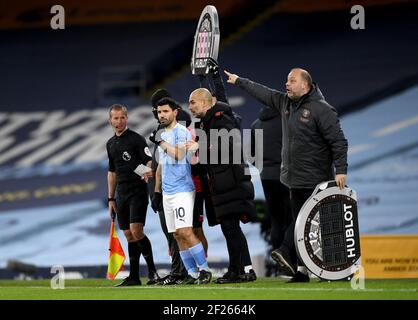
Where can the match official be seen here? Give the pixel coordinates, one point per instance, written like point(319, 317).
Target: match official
point(128, 151)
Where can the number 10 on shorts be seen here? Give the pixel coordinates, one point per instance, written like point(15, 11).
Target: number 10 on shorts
point(180, 213)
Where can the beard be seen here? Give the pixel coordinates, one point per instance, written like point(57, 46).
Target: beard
point(294, 97)
point(166, 122)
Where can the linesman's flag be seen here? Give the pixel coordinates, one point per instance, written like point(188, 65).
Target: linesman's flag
point(116, 254)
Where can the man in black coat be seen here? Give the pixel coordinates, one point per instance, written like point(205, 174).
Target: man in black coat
point(314, 147)
point(231, 189)
point(276, 193)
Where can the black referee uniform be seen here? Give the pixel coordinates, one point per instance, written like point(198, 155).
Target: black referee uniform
point(126, 152)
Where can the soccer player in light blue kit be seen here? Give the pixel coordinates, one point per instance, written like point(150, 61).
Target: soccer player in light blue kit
point(174, 177)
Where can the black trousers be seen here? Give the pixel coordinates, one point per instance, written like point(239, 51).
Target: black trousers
point(297, 198)
point(177, 267)
point(278, 206)
point(239, 255)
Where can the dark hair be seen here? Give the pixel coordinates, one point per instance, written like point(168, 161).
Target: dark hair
point(171, 102)
point(158, 95)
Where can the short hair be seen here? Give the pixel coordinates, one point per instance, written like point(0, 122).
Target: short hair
point(204, 93)
point(118, 107)
point(306, 77)
point(169, 101)
point(158, 95)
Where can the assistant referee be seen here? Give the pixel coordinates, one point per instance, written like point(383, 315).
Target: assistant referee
point(128, 192)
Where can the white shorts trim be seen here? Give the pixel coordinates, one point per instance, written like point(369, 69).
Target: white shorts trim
point(178, 210)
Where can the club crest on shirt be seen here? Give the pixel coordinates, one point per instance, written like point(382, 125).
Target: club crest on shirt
point(126, 156)
point(305, 115)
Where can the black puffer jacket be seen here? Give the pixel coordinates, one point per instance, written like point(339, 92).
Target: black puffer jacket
point(313, 141)
point(270, 122)
point(232, 191)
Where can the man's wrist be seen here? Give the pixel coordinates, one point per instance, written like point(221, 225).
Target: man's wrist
point(111, 199)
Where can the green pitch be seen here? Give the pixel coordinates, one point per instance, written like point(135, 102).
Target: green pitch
point(263, 288)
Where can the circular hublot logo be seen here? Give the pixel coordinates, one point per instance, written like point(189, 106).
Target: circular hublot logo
point(327, 233)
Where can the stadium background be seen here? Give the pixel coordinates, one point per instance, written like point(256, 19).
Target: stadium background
point(56, 86)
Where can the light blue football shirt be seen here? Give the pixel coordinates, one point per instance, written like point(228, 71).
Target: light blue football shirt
point(176, 174)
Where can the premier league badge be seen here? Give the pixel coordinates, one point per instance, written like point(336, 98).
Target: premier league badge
point(327, 233)
point(206, 40)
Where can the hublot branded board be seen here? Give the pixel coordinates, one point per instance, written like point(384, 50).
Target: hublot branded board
point(327, 232)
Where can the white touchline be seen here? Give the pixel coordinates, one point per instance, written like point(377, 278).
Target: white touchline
point(226, 288)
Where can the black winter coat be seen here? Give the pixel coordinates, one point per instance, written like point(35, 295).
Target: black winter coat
point(232, 191)
point(313, 141)
point(270, 122)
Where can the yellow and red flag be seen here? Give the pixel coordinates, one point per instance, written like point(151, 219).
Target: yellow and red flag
point(116, 254)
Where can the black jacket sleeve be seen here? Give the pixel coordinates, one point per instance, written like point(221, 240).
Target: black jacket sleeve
point(330, 128)
point(111, 167)
point(219, 88)
point(269, 97)
point(144, 154)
